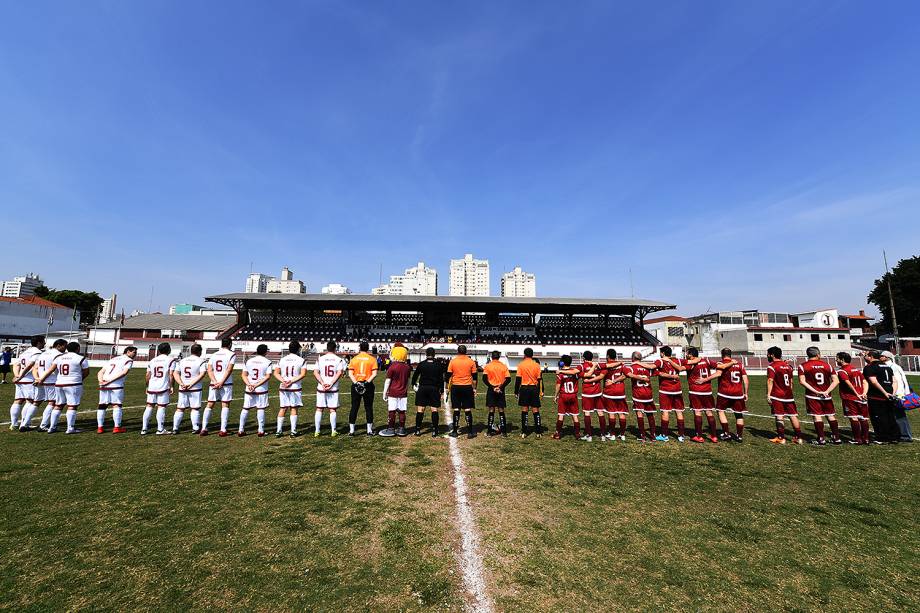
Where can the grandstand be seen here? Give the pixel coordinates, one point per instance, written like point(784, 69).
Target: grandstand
point(551, 325)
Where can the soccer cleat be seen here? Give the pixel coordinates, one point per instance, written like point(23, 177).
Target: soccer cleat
point(623, 438)
point(819, 442)
point(334, 433)
point(453, 434)
point(222, 433)
point(641, 438)
point(72, 431)
point(836, 441)
point(316, 435)
point(173, 432)
point(778, 440)
point(713, 439)
point(118, 430)
point(470, 434)
point(387, 432)
point(241, 434)
point(351, 434)
point(100, 430)
point(797, 441)
point(25, 428)
point(51, 430)
point(852, 442)
point(203, 432)
point(161, 432)
point(523, 435)
point(41, 427)
point(293, 434)
point(585, 437)
point(661, 438)
point(143, 433)
point(418, 432)
point(680, 439)
point(260, 434)
point(279, 434)
point(13, 427)
point(556, 436)
point(735, 438)
point(698, 439)
point(725, 436)
point(401, 432)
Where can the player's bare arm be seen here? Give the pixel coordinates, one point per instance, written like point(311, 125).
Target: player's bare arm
point(807, 386)
point(250, 386)
point(747, 384)
point(874, 382)
point(177, 377)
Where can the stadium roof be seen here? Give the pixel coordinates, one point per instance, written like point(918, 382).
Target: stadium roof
point(157, 321)
point(243, 300)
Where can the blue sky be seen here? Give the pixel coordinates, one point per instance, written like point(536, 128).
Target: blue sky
point(730, 154)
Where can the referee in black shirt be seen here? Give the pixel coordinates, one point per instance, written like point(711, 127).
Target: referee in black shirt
point(429, 377)
point(881, 398)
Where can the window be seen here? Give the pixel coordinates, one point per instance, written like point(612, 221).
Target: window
point(815, 338)
point(787, 338)
point(758, 337)
point(841, 337)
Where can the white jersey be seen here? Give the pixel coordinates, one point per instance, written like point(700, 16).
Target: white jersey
point(256, 368)
point(189, 369)
point(291, 366)
point(220, 363)
point(328, 366)
point(118, 364)
point(70, 367)
point(160, 369)
point(26, 361)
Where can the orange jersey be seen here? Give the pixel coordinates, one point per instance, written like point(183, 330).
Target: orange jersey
point(496, 373)
point(363, 366)
point(462, 369)
point(529, 372)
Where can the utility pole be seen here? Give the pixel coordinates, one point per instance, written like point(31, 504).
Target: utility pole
point(894, 320)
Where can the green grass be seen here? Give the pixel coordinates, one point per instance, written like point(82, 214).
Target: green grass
point(130, 522)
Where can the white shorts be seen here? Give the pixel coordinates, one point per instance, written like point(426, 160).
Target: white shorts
point(255, 401)
point(69, 395)
point(291, 399)
point(112, 396)
point(224, 394)
point(160, 399)
point(327, 400)
point(189, 399)
point(26, 391)
point(396, 404)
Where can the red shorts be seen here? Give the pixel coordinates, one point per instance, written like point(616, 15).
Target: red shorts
point(701, 402)
point(615, 405)
point(854, 409)
point(592, 403)
point(671, 402)
point(568, 405)
point(645, 407)
point(738, 405)
point(778, 407)
point(820, 407)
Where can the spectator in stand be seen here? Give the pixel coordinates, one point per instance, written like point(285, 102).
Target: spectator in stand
point(881, 398)
point(6, 358)
point(903, 389)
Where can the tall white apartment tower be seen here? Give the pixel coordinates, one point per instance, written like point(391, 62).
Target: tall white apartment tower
point(469, 277)
point(519, 284)
point(257, 283)
point(416, 281)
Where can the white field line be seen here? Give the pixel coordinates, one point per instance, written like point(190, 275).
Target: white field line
point(470, 560)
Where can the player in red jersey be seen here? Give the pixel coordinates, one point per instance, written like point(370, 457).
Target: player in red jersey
point(700, 392)
point(614, 394)
point(732, 394)
point(566, 398)
point(670, 393)
point(854, 392)
point(819, 380)
point(781, 397)
point(592, 376)
point(640, 375)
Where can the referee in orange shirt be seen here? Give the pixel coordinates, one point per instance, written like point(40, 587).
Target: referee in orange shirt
point(462, 374)
point(527, 387)
point(361, 370)
point(496, 377)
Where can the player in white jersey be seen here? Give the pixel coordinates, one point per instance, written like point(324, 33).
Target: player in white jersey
point(188, 376)
point(24, 390)
point(256, 373)
point(45, 373)
point(159, 387)
point(72, 369)
point(329, 369)
point(290, 371)
point(112, 389)
point(220, 372)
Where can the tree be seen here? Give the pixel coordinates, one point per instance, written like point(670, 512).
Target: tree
point(905, 288)
point(87, 303)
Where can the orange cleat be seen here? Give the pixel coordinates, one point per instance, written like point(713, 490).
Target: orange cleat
point(778, 440)
point(100, 430)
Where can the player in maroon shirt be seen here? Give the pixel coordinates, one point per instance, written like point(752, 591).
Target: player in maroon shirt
point(566, 398)
point(592, 377)
point(732, 394)
point(670, 393)
point(854, 392)
point(781, 397)
point(819, 380)
point(640, 375)
point(700, 392)
point(615, 396)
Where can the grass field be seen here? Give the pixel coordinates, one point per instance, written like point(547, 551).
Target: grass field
point(129, 522)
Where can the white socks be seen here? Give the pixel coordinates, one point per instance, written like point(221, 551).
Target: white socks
point(14, 414)
point(55, 417)
point(147, 413)
point(243, 415)
point(100, 418)
point(71, 420)
point(370, 428)
point(161, 419)
point(46, 416)
point(260, 417)
point(317, 419)
point(196, 419)
point(116, 416)
point(332, 419)
point(293, 422)
point(351, 428)
point(177, 419)
point(224, 416)
point(205, 418)
point(27, 412)
point(279, 424)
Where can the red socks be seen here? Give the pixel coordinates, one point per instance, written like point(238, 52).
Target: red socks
point(698, 424)
point(819, 427)
point(589, 429)
point(712, 424)
point(602, 423)
point(391, 419)
point(835, 429)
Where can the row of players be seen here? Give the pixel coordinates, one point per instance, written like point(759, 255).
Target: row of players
point(55, 376)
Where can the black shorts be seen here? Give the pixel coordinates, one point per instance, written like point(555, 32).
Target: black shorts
point(495, 399)
point(529, 396)
point(462, 397)
point(428, 396)
point(4, 369)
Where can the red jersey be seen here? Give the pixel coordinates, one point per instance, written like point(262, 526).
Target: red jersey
point(780, 372)
point(398, 374)
point(590, 389)
point(667, 386)
point(641, 390)
point(818, 374)
point(853, 375)
point(731, 384)
point(616, 391)
point(567, 385)
point(700, 370)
